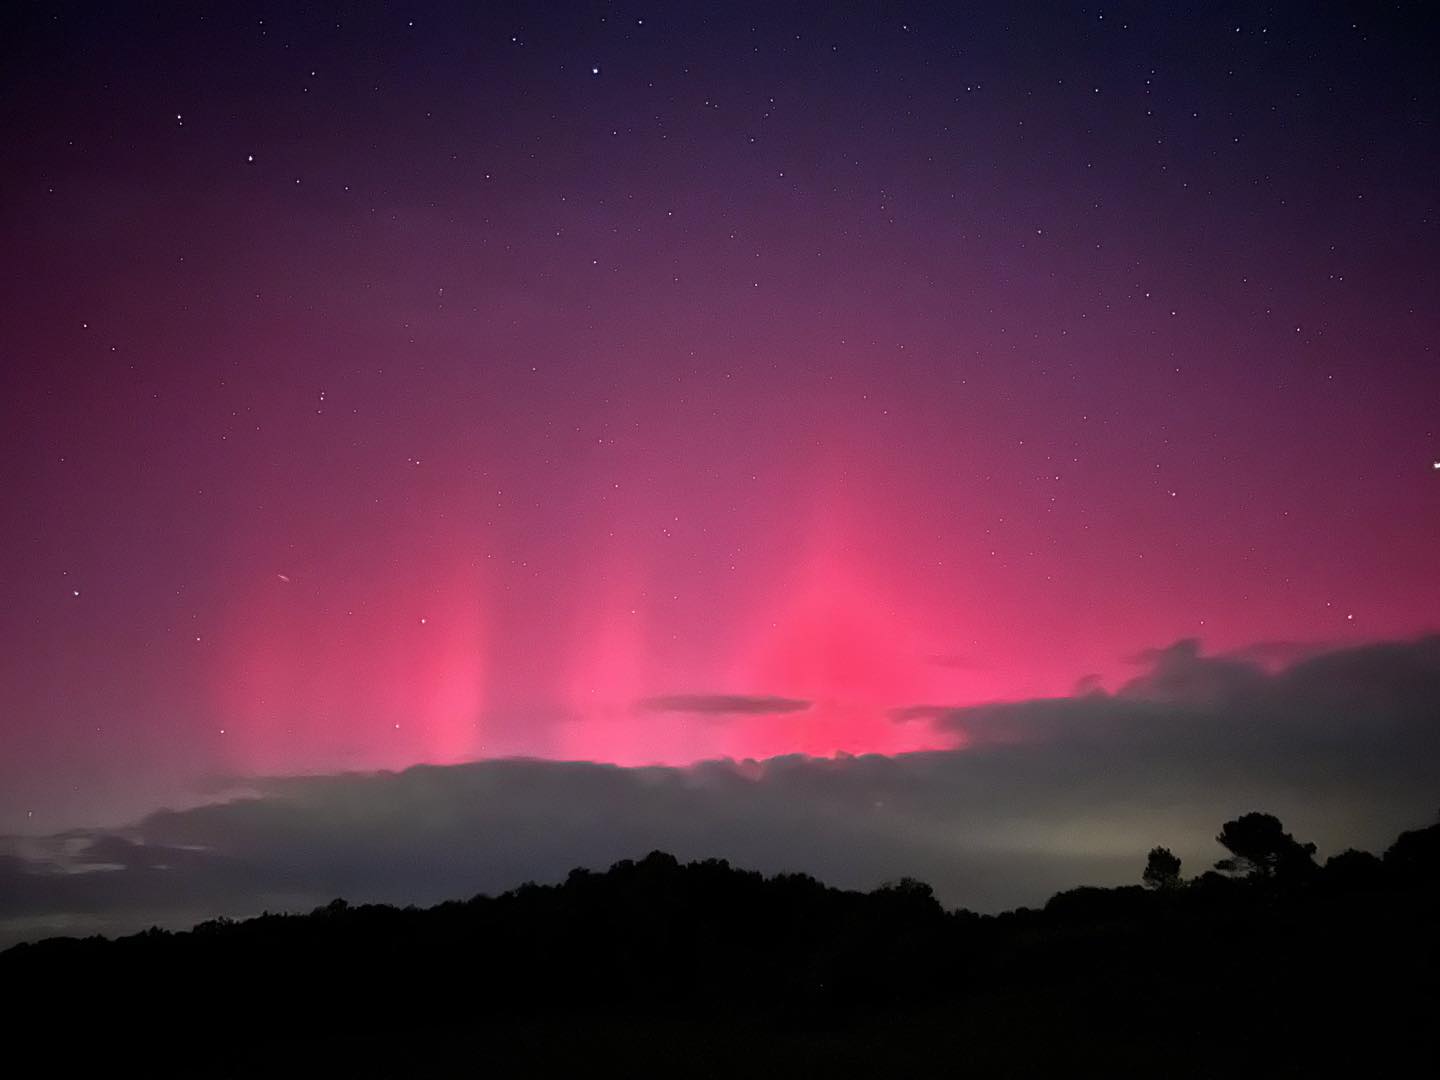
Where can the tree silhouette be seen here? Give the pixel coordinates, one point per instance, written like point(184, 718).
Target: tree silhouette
point(677, 957)
point(1260, 848)
point(1162, 869)
point(1415, 855)
point(1351, 871)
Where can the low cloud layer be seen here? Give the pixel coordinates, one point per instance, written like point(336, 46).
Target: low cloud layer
point(1344, 746)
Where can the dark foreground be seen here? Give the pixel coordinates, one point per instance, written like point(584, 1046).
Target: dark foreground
point(657, 968)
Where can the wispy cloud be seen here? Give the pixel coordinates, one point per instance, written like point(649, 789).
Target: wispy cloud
point(723, 704)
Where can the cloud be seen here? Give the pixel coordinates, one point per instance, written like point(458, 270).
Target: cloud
point(1380, 700)
point(1046, 795)
point(1178, 673)
point(956, 661)
point(723, 704)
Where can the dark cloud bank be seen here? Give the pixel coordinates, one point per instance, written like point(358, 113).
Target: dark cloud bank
point(1044, 795)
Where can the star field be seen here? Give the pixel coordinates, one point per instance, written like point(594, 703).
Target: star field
point(438, 383)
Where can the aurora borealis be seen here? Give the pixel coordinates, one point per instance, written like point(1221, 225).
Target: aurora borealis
point(655, 384)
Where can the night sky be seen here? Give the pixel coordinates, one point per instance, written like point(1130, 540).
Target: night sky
point(664, 383)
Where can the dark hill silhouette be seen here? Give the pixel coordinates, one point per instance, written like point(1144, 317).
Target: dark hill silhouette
point(703, 969)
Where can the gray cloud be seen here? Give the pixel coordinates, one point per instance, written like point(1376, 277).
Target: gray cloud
point(1381, 699)
point(1343, 746)
point(723, 704)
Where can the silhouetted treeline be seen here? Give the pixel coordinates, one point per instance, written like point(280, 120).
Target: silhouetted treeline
point(1270, 963)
